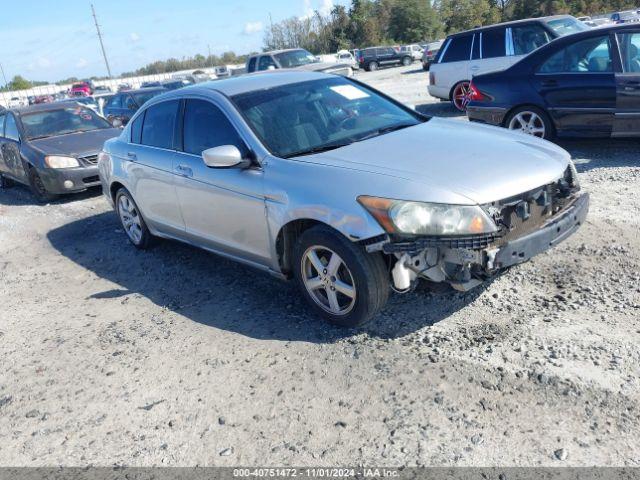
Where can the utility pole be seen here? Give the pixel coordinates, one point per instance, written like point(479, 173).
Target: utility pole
point(4, 76)
point(104, 53)
point(210, 57)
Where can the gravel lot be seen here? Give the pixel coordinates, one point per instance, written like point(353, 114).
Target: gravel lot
point(177, 357)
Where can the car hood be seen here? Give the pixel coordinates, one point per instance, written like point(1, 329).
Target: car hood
point(481, 163)
point(322, 66)
point(76, 144)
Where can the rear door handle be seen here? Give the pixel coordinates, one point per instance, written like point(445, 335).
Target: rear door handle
point(549, 83)
point(475, 69)
point(132, 156)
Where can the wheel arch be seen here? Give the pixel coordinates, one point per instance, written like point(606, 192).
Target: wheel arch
point(113, 189)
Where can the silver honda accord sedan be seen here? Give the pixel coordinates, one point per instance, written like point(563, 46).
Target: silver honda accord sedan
point(327, 181)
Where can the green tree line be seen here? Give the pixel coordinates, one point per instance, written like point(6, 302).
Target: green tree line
point(375, 22)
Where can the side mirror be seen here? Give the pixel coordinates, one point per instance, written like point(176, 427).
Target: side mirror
point(225, 156)
point(116, 122)
point(271, 67)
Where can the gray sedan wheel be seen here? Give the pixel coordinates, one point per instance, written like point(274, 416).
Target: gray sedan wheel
point(341, 281)
point(131, 220)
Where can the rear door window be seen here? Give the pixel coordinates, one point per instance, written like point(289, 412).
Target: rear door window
point(2, 117)
point(494, 43)
point(136, 129)
point(459, 49)
point(630, 50)
point(115, 102)
point(592, 55)
point(527, 38)
point(159, 125)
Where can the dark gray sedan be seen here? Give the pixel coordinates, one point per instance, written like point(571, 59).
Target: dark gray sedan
point(52, 148)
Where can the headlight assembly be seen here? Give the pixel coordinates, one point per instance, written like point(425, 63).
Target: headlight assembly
point(430, 219)
point(55, 161)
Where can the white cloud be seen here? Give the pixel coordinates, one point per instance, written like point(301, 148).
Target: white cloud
point(252, 27)
point(81, 63)
point(134, 37)
point(324, 7)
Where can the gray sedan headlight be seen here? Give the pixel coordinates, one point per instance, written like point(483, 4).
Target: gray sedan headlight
point(432, 219)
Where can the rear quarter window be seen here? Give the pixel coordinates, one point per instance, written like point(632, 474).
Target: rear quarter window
point(459, 49)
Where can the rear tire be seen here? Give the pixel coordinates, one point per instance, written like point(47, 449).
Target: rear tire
point(532, 121)
point(460, 95)
point(131, 220)
point(38, 188)
point(341, 281)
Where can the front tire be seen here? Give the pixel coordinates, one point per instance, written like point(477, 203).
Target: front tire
point(5, 182)
point(531, 121)
point(38, 188)
point(373, 66)
point(341, 281)
point(131, 220)
point(406, 61)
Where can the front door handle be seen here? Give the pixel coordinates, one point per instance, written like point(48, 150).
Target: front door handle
point(184, 171)
point(549, 83)
point(475, 69)
point(132, 156)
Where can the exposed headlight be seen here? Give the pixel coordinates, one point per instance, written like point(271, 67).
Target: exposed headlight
point(417, 218)
point(55, 161)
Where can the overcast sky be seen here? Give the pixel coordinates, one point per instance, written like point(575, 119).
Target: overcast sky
point(51, 40)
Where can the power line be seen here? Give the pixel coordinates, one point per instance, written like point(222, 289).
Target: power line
point(104, 53)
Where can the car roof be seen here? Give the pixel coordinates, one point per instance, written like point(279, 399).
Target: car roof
point(43, 107)
point(513, 22)
point(275, 52)
point(147, 89)
point(252, 82)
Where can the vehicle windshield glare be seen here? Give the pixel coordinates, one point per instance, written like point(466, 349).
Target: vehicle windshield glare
point(63, 121)
point(295, 58)
point(567, 26)
point(318, 115)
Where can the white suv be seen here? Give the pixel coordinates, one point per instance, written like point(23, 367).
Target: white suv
point(488, 49)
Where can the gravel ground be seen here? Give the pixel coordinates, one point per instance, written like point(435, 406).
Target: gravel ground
point(177, 357)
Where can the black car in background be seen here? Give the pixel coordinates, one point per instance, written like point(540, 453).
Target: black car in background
point(121, 107)
point(53, 147)
point(582, 85)
point(376, 57)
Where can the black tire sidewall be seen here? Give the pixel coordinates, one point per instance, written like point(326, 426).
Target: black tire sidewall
point(41, 197)
point(5, 182)
point(549, 127)
point(146, 239)
point(369, 276)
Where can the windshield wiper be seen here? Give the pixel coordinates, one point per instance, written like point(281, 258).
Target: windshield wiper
point(385, 130)
point(319, 149)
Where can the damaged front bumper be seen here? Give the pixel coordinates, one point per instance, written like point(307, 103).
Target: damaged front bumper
point(465, 262)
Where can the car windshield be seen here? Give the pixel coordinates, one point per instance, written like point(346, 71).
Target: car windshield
point(320, 115)
point(295, 58)
point(143, 97)
point(63, 121)
point(567, 26)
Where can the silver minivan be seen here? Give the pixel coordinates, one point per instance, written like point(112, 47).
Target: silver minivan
point(322, 179)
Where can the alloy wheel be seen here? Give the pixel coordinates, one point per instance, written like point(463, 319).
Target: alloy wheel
point(462, 96)
point(328, 280)
point(130, 219)
point(530, 123)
